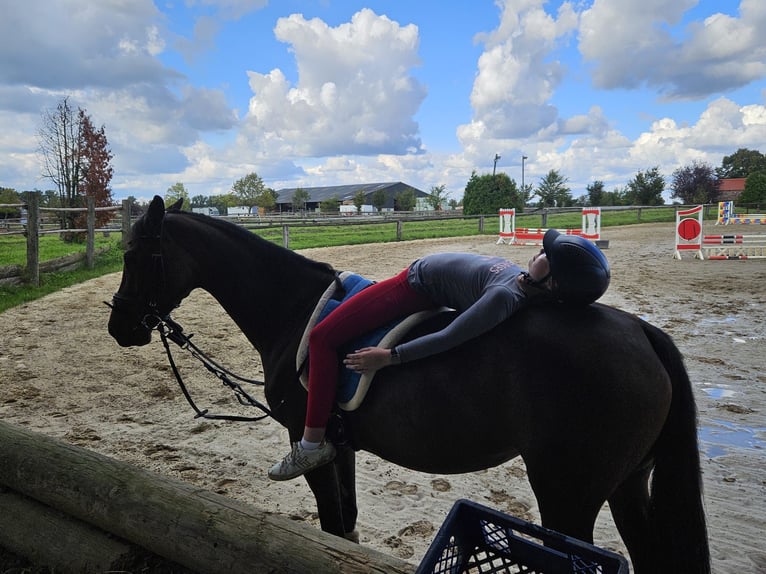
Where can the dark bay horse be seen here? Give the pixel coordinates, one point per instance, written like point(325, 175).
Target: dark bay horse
point(597, 402)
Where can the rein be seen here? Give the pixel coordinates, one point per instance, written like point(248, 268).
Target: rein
point(170, 330)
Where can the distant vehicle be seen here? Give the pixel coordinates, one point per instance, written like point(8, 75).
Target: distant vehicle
point(206, 210)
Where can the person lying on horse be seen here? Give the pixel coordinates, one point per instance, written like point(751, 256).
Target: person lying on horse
point(484, 290)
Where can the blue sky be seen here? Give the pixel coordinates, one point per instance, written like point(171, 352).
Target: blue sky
point(311, 93)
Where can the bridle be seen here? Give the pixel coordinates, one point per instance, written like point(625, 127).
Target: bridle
point(169, 330)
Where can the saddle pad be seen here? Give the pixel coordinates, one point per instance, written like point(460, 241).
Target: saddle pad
point(353, 386)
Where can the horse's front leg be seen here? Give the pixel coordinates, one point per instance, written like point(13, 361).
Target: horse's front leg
point(334, 488)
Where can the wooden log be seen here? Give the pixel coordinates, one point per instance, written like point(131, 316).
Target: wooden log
point(49, 538)
point(201, 530)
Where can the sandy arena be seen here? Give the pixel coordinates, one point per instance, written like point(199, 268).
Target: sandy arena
point(63, 375)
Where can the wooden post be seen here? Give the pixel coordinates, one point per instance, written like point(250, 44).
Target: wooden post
point(90, 240)
point(286, 237)
point(481, 224)
point(199, 529)
point(33, 238)
point(125, 223)
point(544, 222)
point(398, 229)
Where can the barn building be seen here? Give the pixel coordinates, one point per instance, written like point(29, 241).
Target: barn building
point(345, 195)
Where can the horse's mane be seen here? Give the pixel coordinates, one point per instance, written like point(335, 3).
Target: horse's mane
point(240, 234)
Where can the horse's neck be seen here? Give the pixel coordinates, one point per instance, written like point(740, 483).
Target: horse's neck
point(267, 291)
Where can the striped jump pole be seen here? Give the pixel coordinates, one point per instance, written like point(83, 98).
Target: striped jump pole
point(726, 216)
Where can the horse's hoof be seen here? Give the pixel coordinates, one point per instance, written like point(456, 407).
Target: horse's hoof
point(353, 536)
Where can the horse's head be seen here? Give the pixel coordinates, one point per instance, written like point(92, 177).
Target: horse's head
point(142, 296)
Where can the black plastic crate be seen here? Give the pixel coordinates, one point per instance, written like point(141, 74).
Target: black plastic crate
point(475, 539)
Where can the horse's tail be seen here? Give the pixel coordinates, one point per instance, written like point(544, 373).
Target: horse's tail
point(677, 517)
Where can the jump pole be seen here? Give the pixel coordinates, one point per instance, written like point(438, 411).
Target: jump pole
point(512, 235)
point(204, 531)
point(726, 247)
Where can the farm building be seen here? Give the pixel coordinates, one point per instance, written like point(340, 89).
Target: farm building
point(731, 188)
point(345, 195)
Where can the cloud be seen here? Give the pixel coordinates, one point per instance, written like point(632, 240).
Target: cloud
point(635, 42)
point(517, 76)
point(354, 93)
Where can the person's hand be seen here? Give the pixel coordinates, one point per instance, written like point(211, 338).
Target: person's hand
point(368, 359)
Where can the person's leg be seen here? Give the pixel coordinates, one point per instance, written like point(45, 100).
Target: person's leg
point(374, 306)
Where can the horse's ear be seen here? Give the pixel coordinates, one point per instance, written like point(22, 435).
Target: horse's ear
point(177, 205)
point(155, 213)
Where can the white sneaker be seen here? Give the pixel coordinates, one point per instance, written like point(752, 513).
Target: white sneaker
point(301, 460)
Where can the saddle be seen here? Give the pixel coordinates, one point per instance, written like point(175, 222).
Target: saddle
point(353, 386)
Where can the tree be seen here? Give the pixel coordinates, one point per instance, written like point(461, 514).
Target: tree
point(696, 183)
point(405, 200)
point(437, 197)
point(359, 199)
point(175, 192)
point(378, 199)
point(77, 159)
point(596, 193)
point(97, 170)
point(60, 144)
point(741, 163)
point(755, 189)
point(300, 197)
point(486, 194)
point(646, 188)
point(553, 191)
point(9, 196)
point(200, 201)
point(330, 205)
point(251, 191)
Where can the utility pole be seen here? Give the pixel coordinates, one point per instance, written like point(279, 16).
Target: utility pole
point(497, 157)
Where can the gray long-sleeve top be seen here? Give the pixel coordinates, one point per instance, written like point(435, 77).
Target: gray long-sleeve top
point(483, 289)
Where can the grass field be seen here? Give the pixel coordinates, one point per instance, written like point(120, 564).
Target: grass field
point(302, 236)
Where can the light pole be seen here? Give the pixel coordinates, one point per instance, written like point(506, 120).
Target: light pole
point(494, 167)
point(523, 159)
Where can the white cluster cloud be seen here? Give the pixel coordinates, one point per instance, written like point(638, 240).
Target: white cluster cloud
point(354, 94)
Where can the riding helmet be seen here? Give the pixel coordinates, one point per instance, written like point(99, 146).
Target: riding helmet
point(579, 268)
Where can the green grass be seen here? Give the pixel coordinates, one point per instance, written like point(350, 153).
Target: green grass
point(13, 248)
point(107, 262)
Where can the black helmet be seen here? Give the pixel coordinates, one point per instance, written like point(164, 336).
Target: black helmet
point(578, 267)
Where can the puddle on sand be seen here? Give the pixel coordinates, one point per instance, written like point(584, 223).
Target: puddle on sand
point(721, 439)
point(719, 392)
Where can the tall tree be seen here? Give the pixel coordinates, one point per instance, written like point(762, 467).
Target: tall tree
point(175, 192)
point(405, 200)
point(741, 163)
point(553, 190)
point(378, 199)
point(9, 196)
point(646, 188)
point(596, 193)
point(437, 197)
point(299, 199)
point(359, 199)
point(251, 191)
point(755, 189)
point(97, 170)
point(486, 194)
point(60, 142)
point(696, 183)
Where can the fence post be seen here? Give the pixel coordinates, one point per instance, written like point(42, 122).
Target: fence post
point(481, 224)
point(398, 229)
point(90, 241)
point(544, 222)
point(33, 238)
point(286, 237)
point(125, 223)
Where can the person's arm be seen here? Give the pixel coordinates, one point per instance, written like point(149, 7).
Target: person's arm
point(496, 305)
